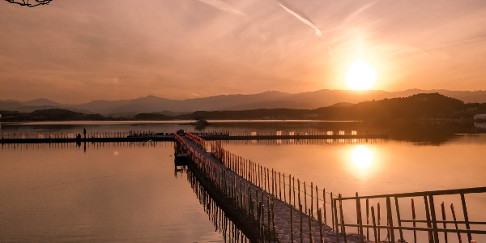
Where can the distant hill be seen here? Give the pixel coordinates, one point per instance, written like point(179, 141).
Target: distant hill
point(40, 102)
point(48, 115)
point(265, 100)
point(419, 106)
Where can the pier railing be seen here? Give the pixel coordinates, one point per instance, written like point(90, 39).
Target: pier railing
point(397, 227)
point(305, 197)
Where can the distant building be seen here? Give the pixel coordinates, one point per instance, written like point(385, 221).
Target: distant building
point(480, 117)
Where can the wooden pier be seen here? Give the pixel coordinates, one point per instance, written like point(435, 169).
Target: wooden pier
point(270, 206)
point(122, 137)
point(267, 208)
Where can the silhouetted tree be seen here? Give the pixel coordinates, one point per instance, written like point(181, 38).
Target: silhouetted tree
point(30, 3)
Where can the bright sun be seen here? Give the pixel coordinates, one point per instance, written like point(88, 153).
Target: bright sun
point(360, 76)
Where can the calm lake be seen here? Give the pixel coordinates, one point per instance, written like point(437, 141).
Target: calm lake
point(132, 191)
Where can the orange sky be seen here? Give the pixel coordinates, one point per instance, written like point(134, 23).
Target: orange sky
point(75, 51)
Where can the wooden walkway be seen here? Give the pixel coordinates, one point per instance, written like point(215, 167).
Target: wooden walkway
point(257, 194)
point(277, 207)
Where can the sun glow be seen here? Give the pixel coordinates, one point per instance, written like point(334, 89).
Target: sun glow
point(362, 157)
point(360, 76)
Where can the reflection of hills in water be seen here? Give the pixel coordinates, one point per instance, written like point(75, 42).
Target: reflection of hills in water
point(424, 132)
point(435, 133)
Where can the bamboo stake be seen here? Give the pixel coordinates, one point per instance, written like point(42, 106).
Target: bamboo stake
point(305, 198)
point(319, 215)
point(310, 226)
point(414, 224)
point(291, 223)
point(442, 207)
point(298, 190)
point(312, 200)
point(374, 223)
point(367, 218)
point(455, 223)
point(301, 235)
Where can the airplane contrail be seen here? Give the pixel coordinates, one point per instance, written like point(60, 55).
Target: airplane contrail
point(223, 6)
point(359, 11)
point(300, 17)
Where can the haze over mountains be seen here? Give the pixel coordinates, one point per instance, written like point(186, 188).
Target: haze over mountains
point(267, 100)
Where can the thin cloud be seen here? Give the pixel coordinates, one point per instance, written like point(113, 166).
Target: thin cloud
point(223, 6)
point(359, 11)
point(301, 17)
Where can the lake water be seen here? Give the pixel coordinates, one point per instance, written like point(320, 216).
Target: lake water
point(131, 191)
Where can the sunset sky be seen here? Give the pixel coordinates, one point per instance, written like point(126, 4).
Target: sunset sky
point(75, 51)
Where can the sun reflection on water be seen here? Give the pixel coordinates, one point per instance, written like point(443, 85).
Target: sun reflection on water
point(362, 157)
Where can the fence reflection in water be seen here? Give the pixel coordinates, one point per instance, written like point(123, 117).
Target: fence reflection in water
point(221, 222)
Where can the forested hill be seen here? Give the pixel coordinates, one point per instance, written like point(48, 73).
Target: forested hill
point(420, 106)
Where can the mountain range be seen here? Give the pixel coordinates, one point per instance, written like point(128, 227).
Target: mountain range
point(265, 100)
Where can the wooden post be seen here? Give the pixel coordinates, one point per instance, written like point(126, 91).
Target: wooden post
point(310, 226)
point(333, 214)
point(414, 224)
point(290, 189)
point(301, 235)
point(324, 205)
point(335, 221)
point(253, 176)
point(259, 175)
point(283, 180)
point(305, 198)
point(399, 220)
point(442, 207)
point(379, 219)
point(274, 184)
point(390, 220)
point(341, 214)
point(427, 214)
point(319, 216)
point(291, 223)
point(298, 190)
point(359, 218)
point(317, 200)
point(312, 199)
point(374, 223)
point(466, 217)
point(279, 187)
point(265, 179)
point(455, 223)
point(268, 181)
point(247, 170)
point(367, 218)
point(293, 189)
